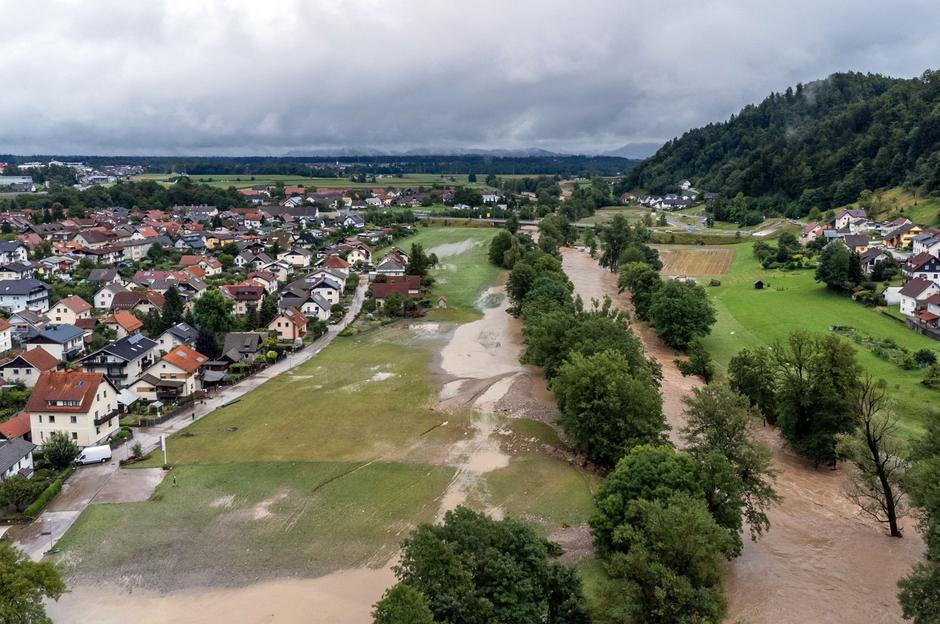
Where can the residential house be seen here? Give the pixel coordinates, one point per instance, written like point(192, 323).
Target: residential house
point(179, 334)
point(903, 236)
point(13, 251)
point(175, 376)
point(64, 342)
point(246, 297)
point(29, 294)
point(870, 258)
point(358, 253)
point(924, 266)
point(124, 360)
point(104, 298)
point(16, 427)
point(290, 324)
point(926, 242)
point(408, 286)
point(25, 367)
point(390, 267)
point(335, 264)
point(105, 276)
point(266, 280)
point(6, 335)
point(123, 323)
point(856, 242)
point(16, 271)
point(353, 221)
point(142, 301)
point(16, 458)
point(81, 404)
point(844, 218)
point(69, 310)
point(297, 258)
point(310, 304)
point(25, 320)
point(243, 346)
point(914, 293)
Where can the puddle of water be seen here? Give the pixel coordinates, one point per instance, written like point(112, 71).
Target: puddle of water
point(382, 376)
point(484, 348)
point(453, 249)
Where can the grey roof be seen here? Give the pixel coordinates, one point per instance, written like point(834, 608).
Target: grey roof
point(17, 266)
point(59, 334)
point(102, 275)
point(130, 347)
point(184, 332)
point(20, 287)
point(245, 343)
point(8, 246)
point(12, 451)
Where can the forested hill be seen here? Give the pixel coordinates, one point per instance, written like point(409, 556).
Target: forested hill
point(816, 145)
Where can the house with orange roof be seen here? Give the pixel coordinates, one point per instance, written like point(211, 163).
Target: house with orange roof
point(69, 310)
point(123, 323)
point(174, 376)
point(16, 427)
point(82, 405)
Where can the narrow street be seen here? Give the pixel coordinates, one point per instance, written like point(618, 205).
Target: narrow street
point(107, 483)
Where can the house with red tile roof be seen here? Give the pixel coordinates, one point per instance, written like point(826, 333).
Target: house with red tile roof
point(290, 324)
point(174, 376)
point(81, 404)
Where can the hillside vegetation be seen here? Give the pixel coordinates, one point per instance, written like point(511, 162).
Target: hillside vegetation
point(818, 145)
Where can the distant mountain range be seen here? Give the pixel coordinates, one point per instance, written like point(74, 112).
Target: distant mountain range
point(633, 151)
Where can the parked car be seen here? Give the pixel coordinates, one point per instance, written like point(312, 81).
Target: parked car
point(94, 455)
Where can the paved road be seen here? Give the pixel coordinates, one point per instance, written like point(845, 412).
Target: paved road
point(105, 483)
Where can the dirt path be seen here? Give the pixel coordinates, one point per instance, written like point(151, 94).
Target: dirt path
point(820, 562)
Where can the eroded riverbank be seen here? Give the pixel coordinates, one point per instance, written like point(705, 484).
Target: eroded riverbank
point(821, 561)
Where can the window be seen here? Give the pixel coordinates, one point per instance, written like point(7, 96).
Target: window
point(97, 430)
point(74, 435)
point(51, 419)
point(73, 419)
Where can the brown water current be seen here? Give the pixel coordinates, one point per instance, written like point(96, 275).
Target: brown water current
point(821, 561)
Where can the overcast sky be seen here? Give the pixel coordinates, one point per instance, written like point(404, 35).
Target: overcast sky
point(268, 76)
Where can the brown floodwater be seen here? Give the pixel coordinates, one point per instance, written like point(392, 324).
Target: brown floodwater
point(821, 561)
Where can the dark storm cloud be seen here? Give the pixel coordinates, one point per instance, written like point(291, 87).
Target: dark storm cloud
point(254, 77)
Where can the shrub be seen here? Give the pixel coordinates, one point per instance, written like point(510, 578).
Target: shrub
point(49, 493)
point(60, 450)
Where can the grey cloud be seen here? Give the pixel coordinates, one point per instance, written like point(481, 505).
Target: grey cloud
point(241, 76)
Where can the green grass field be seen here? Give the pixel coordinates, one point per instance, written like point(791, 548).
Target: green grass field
point(794, 300)
point(898, 202)
point(326, 467)
point(246, 181)
point(605, 214)
point(461, 277)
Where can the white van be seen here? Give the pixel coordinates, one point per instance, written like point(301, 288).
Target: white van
point(94, 455)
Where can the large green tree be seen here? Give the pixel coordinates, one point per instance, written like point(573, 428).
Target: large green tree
point(718, 430)
point(606, 409)
point(681, 312)
point(402, 604)
point(475, 570)
point(24, 585)
point(213, 311)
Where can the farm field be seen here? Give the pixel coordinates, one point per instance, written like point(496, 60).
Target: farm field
point(605, 214)
point(248, 180)
point(695, 262)
point(328, 467)
point(794, 300)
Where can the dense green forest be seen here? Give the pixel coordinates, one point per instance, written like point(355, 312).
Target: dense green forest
point(814, 146)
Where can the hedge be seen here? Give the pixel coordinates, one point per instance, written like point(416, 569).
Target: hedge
point(49, 493)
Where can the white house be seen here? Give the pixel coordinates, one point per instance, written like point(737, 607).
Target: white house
point(6, 335)
point(69, 310)
point(29, 294)
point(914, 292)
point(83, 405)
point(104, 297)
point(26, 367)
point(16, 455)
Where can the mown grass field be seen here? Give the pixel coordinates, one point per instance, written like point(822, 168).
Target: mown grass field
point(246, 181)
point(898, 202)
point(794, 300)
point(605, 214)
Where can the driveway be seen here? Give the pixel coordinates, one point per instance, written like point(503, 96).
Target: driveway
point(104, 483)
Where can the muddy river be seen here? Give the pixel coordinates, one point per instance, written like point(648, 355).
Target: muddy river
point(820, 562)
